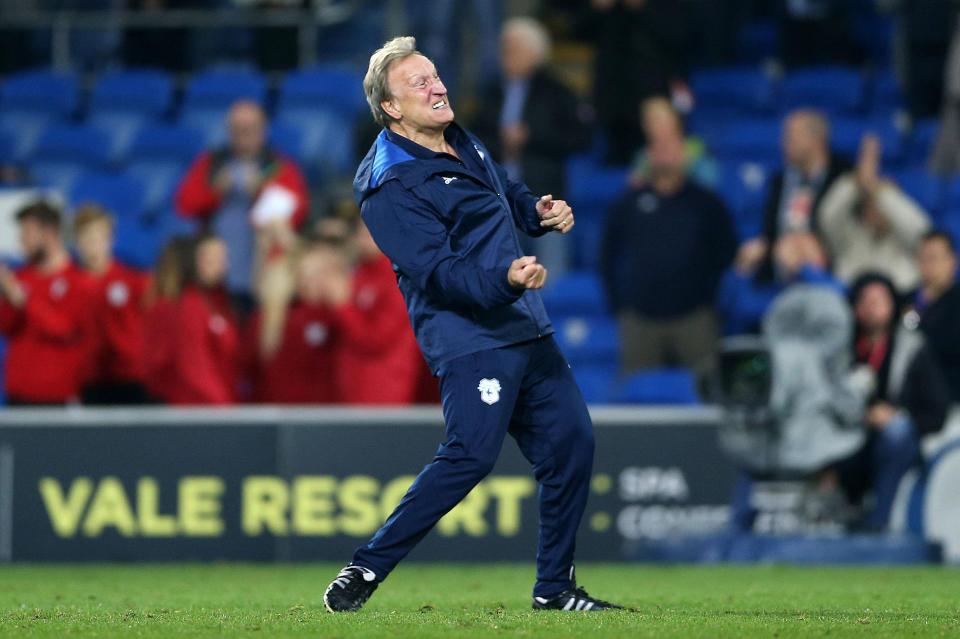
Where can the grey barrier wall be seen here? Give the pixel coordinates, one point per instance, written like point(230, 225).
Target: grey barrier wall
point(312, 484)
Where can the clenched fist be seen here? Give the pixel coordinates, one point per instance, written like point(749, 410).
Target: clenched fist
point(524, 272)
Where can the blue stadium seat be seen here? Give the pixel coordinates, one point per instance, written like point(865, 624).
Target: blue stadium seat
point(747, 140)
point(886, 95)
point(160, 180)
point(836, 90)
point(587, 238)
point(138, 242)
point(745, 90)
point(593, 185)
point(31, 101)
point(588, 340)
point(657, 386)
point(122, 195)
point(575, 293)
point(952, 199)
point(64, 152)
point(325, 88)
point(170, 143)
point(209, 122)
point(920, 141)
point(122, 102)
point(217, 89)
point(846, 134)
point(923, 187)
point(596, 382)
point(326, 139)
point(743, 187)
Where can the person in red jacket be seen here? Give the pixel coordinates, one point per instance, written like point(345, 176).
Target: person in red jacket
point(205, 362)
point(45, 312)
point(293, 339)
point(378, 360)
point(118, 372)
point(241, 188)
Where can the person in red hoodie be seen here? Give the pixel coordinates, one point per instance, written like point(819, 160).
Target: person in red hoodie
point(45, 312)
point(119, 307)
point(293, 339)
point(378, 359)
point(205, 362)
point(241, 188)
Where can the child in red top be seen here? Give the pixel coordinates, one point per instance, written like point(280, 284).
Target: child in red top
point(206, 345)
point(118, 373)
point(159, 341)
point(45, 311)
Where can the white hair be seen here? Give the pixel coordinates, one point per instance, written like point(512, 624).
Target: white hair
point(375, 85)
point(532, 32)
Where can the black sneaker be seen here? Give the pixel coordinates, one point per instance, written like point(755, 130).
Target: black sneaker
point(574, 598)
point(350, 590)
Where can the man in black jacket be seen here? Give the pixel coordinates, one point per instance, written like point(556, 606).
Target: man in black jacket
point(938, 304)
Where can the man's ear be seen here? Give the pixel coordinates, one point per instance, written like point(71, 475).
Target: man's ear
point(391, 109)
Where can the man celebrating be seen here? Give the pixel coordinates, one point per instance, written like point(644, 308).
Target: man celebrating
point(446, 215)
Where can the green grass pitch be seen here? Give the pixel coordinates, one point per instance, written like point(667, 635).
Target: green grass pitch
point(432, 600)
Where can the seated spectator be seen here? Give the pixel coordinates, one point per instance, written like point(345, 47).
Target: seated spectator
point(160, 316)
point(665, 247)
point(379, 361)
point(796, 191)
point(117, 376)
point(743, 297)
point(658, 118)
point(870, 225)
point(206, 359)
point(242, 187)
point(910, 399)
point(937, 302)
point(521, 119)
point(46, 314)
point(293, 338)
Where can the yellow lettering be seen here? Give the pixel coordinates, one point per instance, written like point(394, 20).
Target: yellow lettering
point(152, 523)
point(65, 512)
point(265, 503)
point(109, 507)
point(313, 505)
point(199, 499)
point(360, 515)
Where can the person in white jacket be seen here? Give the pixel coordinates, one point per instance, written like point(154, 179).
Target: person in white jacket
point(869, 224)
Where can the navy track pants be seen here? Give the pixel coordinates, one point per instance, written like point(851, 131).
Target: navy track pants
point(525, 389)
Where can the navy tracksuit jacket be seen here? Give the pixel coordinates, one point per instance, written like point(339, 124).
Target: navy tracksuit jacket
point(450, 228)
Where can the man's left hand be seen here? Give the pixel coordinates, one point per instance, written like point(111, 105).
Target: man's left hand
point(556, 215)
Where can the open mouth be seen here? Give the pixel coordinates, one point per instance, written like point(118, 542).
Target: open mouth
point(439, 104)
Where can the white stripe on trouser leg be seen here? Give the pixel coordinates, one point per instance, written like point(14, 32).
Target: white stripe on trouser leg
point(570, 603)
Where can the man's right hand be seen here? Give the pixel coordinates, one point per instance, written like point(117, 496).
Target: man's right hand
point(524, 272)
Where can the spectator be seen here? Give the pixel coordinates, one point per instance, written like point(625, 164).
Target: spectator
point(293, 338)
point(639, 54)
point(117, 375)
point(938, 303)
point(744, 297)
point(205, 362)
point(910, 399)
point(520, 119)
point(240, 188)
point(45, 312)
point(870, 224)
point(795, 192)
point(945, 157)
point(665, 247)
point(379, 362)
point(160, 340)
point(658, 118)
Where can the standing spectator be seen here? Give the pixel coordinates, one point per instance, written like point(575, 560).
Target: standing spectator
point(945, 157)
point(521, 115)
point(796, 191)
point(240, 188)
point(293, 340)
point(118, 373)
point(665, 247)
point(206, 351)
point(659, 118)
point(870, 224)
point(639, 54)
point(910, 399)
point(45, 312)
point(378, 362)
point(938, 303)
point(160, 317)
point(743, 297)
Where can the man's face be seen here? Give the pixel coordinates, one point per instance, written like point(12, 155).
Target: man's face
point(95, 244)
point(937, 264)
point(34, 240)
point(315, 269)
point(419, 99)
point(874, 309)
point(518, 59)
point(798, 142)
point(211, 262)
point(247, 130)
point(666, 153)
